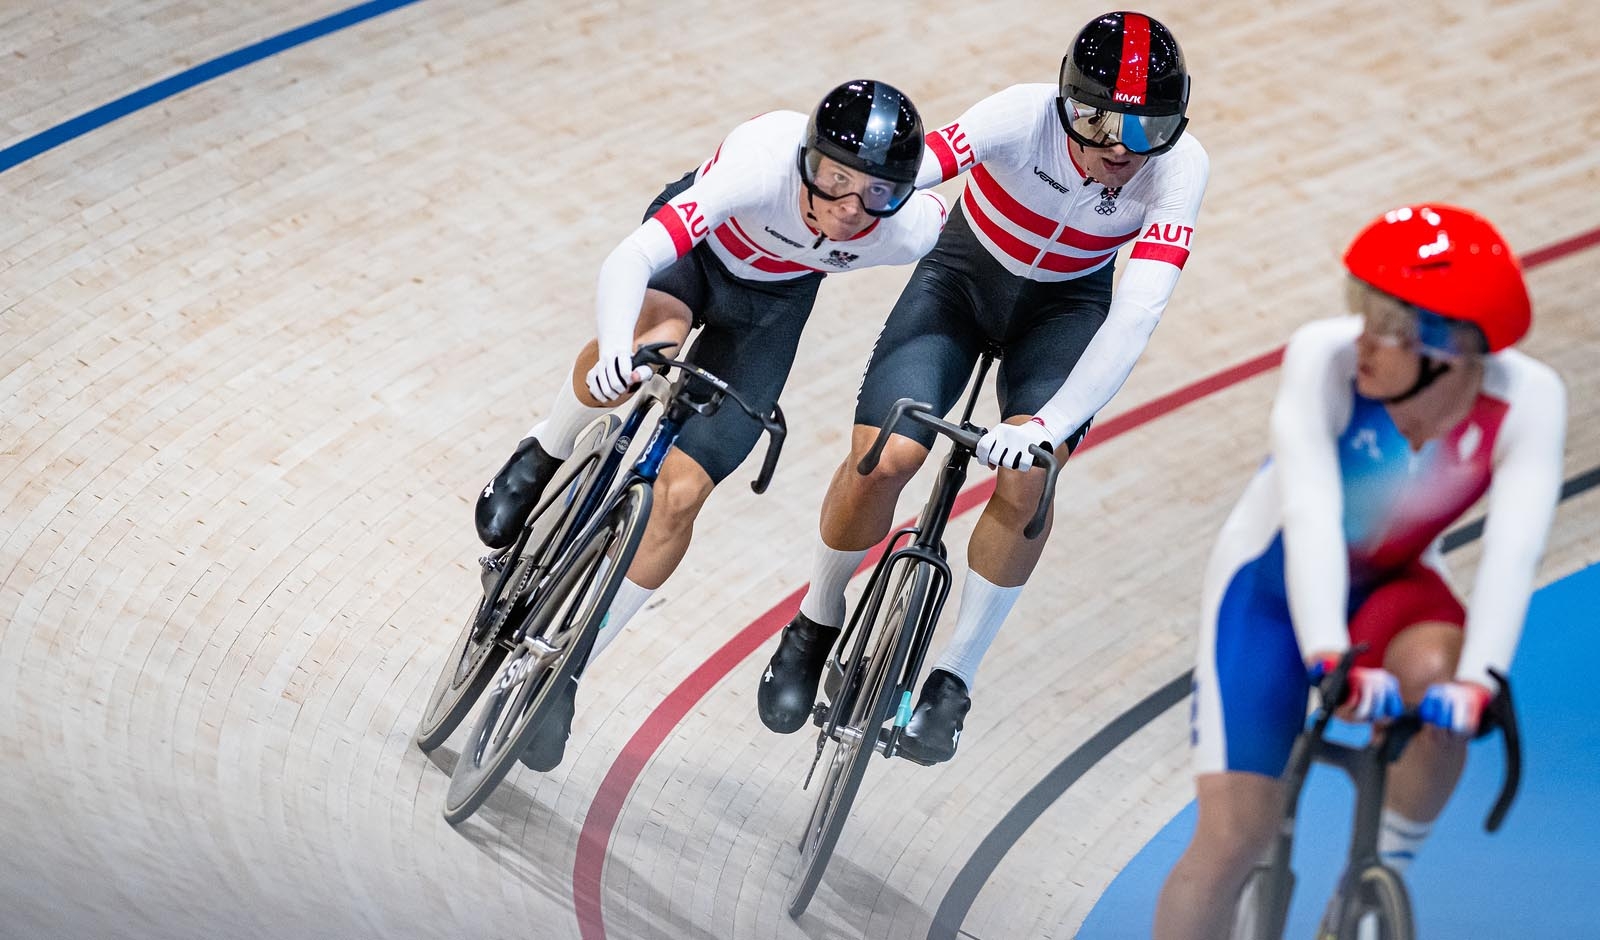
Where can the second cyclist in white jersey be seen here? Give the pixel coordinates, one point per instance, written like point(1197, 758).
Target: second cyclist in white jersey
point(1061, 177)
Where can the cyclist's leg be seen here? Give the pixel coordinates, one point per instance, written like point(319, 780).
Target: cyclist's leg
point(506, 500)
point(1247, 707)
point(925, 352)
point(1413, 626)
point(1054, 324)
point(1233, 830)
point(750, 334)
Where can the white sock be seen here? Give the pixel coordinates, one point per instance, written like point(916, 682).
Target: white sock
point(1399, 839)
point(567, 418)
point(831, 570)
point(984, 607)
point(630, 598)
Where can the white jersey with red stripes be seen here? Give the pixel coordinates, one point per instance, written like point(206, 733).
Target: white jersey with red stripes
point(1036, 212)
point(745, 203)
point(1034, 208)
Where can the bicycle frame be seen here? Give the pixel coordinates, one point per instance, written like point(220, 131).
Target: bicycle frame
point(925, 547)
point(1368, 768)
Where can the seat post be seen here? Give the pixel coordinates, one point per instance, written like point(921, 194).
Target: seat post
point(990, 354)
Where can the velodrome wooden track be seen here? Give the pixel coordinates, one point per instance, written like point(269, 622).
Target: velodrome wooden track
point(261, 341)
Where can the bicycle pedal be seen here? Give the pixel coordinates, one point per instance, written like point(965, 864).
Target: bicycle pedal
point(819, 714)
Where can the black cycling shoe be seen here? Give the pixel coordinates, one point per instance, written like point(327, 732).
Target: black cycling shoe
point(935, 726)
point(504, 504)
point(549, 743)
point(789, 686)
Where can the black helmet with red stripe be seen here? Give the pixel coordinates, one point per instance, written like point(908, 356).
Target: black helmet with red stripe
point(1124, 81)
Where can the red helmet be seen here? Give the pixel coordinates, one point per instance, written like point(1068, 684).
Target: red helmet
point(1448, 261)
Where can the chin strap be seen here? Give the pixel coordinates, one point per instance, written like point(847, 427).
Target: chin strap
point(811, 201)
point(1428, 373)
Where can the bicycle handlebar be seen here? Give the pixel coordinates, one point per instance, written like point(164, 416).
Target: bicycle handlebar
point(1501, 713)
point(773, 424)
point(923, 413)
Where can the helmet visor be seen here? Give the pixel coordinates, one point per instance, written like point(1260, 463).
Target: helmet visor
point(832, 180)
point(1390, 321)
point(1091, 126)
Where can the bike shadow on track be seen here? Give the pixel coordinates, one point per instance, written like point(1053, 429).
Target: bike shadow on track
point(534, 843)
point(517, 832)
point(854, 901)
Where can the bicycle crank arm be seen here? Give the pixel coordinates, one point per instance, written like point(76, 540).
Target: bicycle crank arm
point(822, 740)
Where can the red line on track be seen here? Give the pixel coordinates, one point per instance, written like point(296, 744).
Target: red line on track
point(606, 808)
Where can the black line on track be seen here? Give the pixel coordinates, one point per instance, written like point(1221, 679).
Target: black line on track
point(969, 881)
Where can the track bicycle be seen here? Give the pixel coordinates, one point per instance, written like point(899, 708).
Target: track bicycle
point(878, 658)
point(546, 596)
point(1367, 886)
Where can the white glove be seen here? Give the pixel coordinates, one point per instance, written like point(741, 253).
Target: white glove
point(1006, 445)
point(615, 376)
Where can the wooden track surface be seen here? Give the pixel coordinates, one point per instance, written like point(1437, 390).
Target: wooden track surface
point(261, 343)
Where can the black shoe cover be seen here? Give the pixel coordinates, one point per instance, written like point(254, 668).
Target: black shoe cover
point(504, 504)
point(935, 726)
point(789, 686)
point(549, 742)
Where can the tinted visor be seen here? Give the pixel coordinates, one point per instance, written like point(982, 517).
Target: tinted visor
point(835, 180)
point(1139, 133)
point(1390, 321)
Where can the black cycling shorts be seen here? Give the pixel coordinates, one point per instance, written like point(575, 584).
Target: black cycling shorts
point(748, 334)
point(960, 301)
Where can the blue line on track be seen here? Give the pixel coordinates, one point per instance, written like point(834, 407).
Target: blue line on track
point(183, 81)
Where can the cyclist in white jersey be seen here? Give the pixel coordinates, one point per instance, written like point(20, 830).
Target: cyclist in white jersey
point(1062, 176)
point(1387, 427)
point(736, 248)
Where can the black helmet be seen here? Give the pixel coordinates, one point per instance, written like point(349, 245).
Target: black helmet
point(871, 127)
point(1124, 64)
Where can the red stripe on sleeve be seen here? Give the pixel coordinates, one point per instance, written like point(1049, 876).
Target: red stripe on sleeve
point(948, 166)
point(1133, 79)
point(1155, 251)
point(673, 223)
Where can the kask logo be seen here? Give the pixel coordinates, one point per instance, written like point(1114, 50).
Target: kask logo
point(1127, 97)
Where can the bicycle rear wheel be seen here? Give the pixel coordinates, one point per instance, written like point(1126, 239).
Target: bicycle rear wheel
point(868, 694)
point(1380, 893)
point(561, 621)
point(480, 647)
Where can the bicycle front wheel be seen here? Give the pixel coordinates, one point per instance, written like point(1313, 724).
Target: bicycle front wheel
point(480, 647)
point(1263, 907)
point(1380, 894)
point(563, 620)
point(869, 707)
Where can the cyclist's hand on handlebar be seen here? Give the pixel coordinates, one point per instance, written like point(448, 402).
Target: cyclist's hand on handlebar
point(1454, 706)
point(1370, 694)
point(1006, 445)
point(614, 375)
